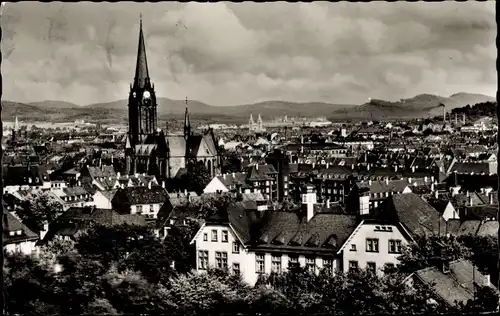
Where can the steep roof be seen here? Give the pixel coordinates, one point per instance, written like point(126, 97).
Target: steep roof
point(418, 216)
point(142, 195)
point(289, 231)
point(141, 68)
point(457, 284)
point(13, 224)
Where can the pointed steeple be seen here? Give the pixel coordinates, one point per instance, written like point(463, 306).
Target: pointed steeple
point(187, 123)
point(141, 68)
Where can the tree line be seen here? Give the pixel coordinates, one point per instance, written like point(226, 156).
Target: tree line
point(127, 270)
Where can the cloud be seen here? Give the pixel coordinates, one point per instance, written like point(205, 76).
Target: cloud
point(234, 53)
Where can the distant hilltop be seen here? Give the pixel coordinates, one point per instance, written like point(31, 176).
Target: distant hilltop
point(423, 105)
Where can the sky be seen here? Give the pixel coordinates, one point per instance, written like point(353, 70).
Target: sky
point(241, 53)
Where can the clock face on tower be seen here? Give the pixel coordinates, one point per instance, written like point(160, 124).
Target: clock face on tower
point(146, 95)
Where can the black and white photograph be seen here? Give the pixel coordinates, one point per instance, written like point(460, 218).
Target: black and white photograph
point(247, 158)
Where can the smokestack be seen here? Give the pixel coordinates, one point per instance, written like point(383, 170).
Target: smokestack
point(444, 114)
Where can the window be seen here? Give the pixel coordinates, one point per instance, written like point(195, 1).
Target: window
point(389, 268)
point(259, 263)
point(293, 261)
point(310, 264)
point(371, 267)
point(225, 237)
point(371, 245)
point(236, 268)
point(202, 260)
point(214, 235)
point(139, 209)
point(152, 208)
point(394, 246)
point(353, 247)
point(353, 266)
point(328, 265)
point(276, 263)
point(221, 260)
point(205, 237)
point(236, 247)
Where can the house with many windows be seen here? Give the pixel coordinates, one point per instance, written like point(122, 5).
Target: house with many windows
point(253, 242)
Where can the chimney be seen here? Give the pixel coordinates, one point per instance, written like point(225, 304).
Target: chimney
point(224, 176)
point(185, 192)
point(490, 195)
point(327, 165)
point(370, 182)
point(257, 166)
point(470, 201)
point(368, 167)
point(433, 187)
point(44, 230)
point(328, 203)
point(436, 194)
point(425, 179)
point(118, 175)
point(396, 168)
point(149, 185)
point(308, 200)
point(413, 169)
point(122, 186)
point(163, 184)
point(432, 179)
point(387, 181)
point(100, 162)
point(314, 164)
point(232, 174)
point(409, 180)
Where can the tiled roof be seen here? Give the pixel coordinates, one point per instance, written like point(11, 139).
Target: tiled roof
point(21, 175)
point(101, 172)
point(11, 223)
point(262, 172)
point(233, 179)
point(143, 195)
point(177, 145)
point(455, 286)
point(474, 167)
point(291, 230)
point(418, 216)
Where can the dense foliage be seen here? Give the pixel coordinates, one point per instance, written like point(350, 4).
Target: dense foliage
point(477, 110)
point(126, 270)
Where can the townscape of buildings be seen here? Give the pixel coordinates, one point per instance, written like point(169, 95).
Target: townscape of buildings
point(341, 197)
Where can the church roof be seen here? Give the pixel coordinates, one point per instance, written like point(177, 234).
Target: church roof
point(141, 68)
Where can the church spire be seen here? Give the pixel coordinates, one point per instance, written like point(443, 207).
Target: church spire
point(141, 68)
point(187, 123)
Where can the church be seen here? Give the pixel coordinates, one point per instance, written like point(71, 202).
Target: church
point(151, 150)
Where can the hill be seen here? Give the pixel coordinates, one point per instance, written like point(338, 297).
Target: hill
point(54, 104)
point(423, 105)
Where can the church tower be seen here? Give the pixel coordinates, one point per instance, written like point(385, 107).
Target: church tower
point(187, 123)
point(142, 99)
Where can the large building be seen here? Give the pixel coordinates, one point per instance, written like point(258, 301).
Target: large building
point(151, 150)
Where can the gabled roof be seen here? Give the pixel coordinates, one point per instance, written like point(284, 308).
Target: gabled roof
point(417, 216)
point(13, 224)
point(262, 172)
point(142, 195)
point(457, 284)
